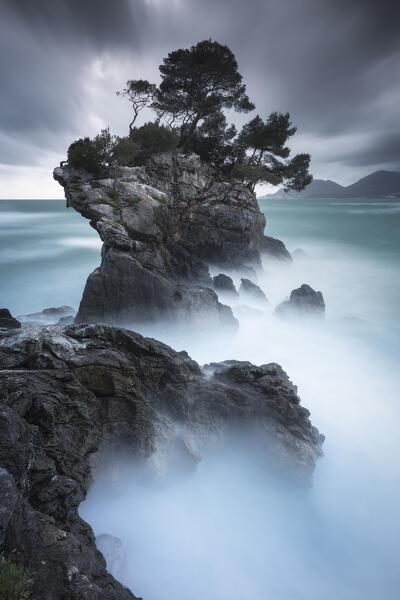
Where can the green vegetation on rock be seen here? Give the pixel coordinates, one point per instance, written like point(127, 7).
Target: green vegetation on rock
point(15, 581)
point(197, 85)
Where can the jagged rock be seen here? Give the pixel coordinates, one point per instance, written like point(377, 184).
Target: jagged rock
point(275, 248)
point(67, 391)
point(162, 225)
point(252, 290)
point(48, 316)
point(302, 301)
point(224, 283)
point(7, 320)
point(66, 320)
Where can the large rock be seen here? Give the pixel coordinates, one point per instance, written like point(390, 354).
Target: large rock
point(274, 248)
point(65, 392)
point(223, 283)
point(252, 291)
point(302, 301)
point(162, 225)
point(7, 321)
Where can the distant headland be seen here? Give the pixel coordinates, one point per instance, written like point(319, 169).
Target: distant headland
point(380, 184)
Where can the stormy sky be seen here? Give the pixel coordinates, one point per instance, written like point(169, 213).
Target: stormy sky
point(333, 64)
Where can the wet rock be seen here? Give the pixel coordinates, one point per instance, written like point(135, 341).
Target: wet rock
point(8, 501)
point(252, 290)
point(275, 248)
point(162, 225)
point(303, 301)
point(66, 320)
point(48, 316)
point(7, 320)
point(66, 392)
point(224, 283)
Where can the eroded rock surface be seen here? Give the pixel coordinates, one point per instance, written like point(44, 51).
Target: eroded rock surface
point(303, 301)
point(7, 321)
point(65, 392)
point(252, 291)
point(223, 283)
point(162, 225)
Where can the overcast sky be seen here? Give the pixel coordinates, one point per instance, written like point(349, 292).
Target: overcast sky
point(333, 64)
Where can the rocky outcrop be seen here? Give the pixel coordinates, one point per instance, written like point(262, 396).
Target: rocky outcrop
point(223, 283)
point(252, 291)
point(7, 321)
point(303, 301)
point(274, 248)
point(66, 392)
point(162, 225)
point(48, 316)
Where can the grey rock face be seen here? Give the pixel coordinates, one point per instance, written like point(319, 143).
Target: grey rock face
point(7, 320)
point(275, 248)
point(8, 501)
point(224, 283)
point(67, 391)
point(162, 225)
point(302, 301)
point(252, 290)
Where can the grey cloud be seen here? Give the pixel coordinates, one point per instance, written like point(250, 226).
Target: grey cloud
point(333, 64)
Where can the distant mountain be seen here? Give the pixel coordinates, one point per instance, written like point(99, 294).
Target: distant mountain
point(381, 184)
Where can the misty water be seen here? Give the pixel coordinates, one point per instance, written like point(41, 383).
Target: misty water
point(229, 531)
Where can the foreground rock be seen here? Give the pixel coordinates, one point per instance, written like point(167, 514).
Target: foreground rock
point(162, 225)
point(302, 301)
point(7, 320)
point(252, 291)
point(66, 392)
point(223, 283)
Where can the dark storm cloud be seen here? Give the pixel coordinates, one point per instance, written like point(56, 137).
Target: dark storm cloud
point(333, 64)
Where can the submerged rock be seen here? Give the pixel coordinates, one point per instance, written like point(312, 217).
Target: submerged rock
point(162, 225)
point(7, 320)
point(302, 301)
point(252, 290)
point(224, 283)
point(66, 392)
point(48, 316)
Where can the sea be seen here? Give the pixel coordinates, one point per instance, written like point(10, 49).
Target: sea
point(225, 534)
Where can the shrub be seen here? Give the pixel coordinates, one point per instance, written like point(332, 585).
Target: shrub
point(113, 194)
point(15, 581)
point(91, 155)
point(153, 139)
point(125, 151)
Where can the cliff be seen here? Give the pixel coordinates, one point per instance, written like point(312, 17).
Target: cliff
point(162, 226)
point(67, 394)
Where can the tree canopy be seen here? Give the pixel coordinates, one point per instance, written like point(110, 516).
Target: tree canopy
point(198, 84)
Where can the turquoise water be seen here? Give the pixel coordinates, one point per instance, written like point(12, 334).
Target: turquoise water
point(46, 253)
point(228, 536)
